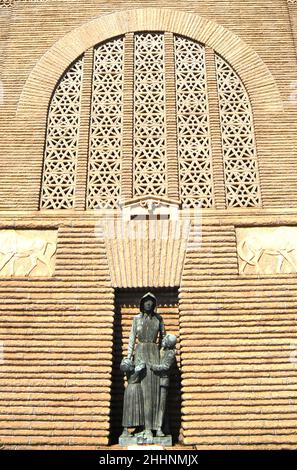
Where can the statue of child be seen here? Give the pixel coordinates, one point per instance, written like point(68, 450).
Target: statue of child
point(133, 408)
point(167, 358)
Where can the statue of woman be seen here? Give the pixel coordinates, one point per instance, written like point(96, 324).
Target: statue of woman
point(147, 326)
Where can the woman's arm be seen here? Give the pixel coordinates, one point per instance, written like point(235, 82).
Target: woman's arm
point(132, 338)
point(162, 328)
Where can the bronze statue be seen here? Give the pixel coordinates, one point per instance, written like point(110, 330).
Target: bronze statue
point(147, 326)
point(148, 376)
point(133, 410)
point(167, 358)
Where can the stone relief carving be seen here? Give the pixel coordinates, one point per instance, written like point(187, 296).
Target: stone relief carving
point(150, 207)
point(27, 252)
point(267, 250)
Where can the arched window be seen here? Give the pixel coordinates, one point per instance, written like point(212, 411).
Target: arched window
point(106, 126)
point(60, 156)
point(238, 141)
point(193, 131)
point(150, 127)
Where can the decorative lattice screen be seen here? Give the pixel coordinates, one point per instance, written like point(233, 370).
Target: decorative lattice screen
point(238, 142)
point(194, 149)
point(129, 109)
point(6, 3)
point(149, 169)
point(105, 150)
point(59, 170)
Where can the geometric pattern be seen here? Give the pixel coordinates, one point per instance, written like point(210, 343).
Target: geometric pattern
point(105, 149)
point(194, 145)
point(6, 3)
point(242, 183)
point(60, 158)
point(149, 159)
point(148, 138)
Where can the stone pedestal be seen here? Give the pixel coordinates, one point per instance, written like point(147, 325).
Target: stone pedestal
point(165, 441)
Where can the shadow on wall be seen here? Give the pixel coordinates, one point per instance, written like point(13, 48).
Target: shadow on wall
point(127, 305)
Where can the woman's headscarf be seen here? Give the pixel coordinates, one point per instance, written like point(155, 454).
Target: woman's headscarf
point(146, 296)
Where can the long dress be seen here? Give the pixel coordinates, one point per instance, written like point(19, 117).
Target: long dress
point(133, 410)
point(146, 328)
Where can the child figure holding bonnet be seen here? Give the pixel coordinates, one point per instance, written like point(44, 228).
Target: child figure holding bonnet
point(133, 408)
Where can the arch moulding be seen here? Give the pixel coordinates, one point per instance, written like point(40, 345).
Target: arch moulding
point(259, 82)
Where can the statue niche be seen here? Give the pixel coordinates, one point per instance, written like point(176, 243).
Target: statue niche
point(147, 369)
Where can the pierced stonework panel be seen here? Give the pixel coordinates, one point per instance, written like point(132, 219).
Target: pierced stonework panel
point(267, 250)
point(59, 170)
point(149, 169)
point(238, 141)
point(194, 147)
point(105, 153)
point(126, 141)
point(27, 253)
point(6, 3)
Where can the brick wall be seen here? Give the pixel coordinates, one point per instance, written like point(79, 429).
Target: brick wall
point(238, 383)
point(263, 25)
point(238, 334)
point(57, 339)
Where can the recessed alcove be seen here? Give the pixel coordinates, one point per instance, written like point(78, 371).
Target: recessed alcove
point(126, 306)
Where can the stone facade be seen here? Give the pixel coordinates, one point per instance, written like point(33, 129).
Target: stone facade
point(148, 146)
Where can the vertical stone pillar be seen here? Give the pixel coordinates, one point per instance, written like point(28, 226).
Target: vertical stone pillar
point(83, 142)
point(215, 130)
point(292, 7)
point(171, 131)
point(127, 155)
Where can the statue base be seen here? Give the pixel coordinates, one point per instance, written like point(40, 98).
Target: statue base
point(165, 441)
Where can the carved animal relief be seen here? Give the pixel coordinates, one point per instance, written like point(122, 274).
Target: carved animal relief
point(267, 250)
point(26, 253)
